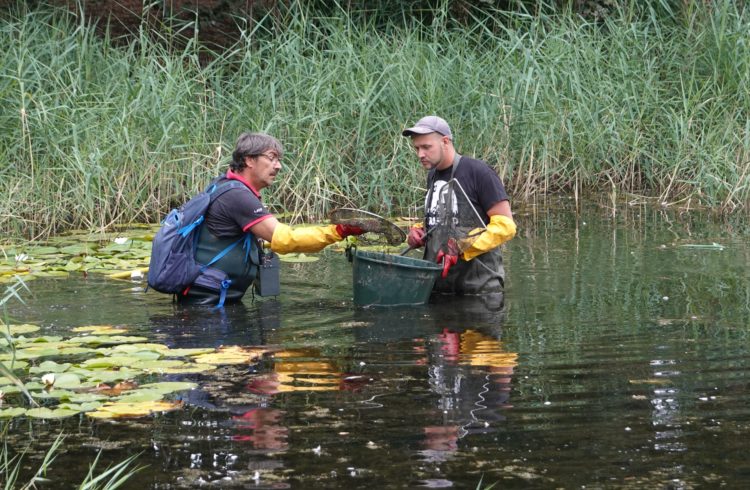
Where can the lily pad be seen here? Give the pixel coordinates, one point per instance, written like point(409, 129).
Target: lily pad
point(19, 329)
point(80, 407)
point(9, 364)
point(231, 355)
point(170, 386)
point(107, 340)
point(141, 409)
point(84, 398)
point(298, 258)
point(67, 380)
point(141, 395)
point(50, 367)
point(158, 365)
point(48, 413)
point(52, 394)
point(108, 362)
point(7, 413)
point(100, 329)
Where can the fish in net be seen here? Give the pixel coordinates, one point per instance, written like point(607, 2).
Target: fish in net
point(381, 228)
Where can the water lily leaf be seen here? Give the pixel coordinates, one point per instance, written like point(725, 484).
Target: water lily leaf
point(185, 352)
point(67, 380)
point(74, 350)
point(141, 346)
point(100, 329)
point(41, 250)
point(52, 273)
point(109, 376)
point(10, 365)
point(52, 394)
point(7, 413)
point(81, 407)
point(47, 413)
point(231, 355)
point(78, 249)
point(108, 362)
point(5, 381)
point(36, 352)
point(170, 386)
point(50, 367)
point(44, 339)
point(107, 340)
point(298, 258)
point(137, 396)
point(85, 398)
point(158, 365)
point(72, 266)
point(189, 368)
point(142, 409)
point(19, 329)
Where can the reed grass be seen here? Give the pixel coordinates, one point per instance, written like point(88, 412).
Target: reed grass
point(98, 132)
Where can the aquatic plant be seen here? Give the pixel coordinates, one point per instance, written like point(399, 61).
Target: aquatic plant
point(102, 131)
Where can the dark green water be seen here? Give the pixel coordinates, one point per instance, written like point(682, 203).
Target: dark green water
point(619, 360)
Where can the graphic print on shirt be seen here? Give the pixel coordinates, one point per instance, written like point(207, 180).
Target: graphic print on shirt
point(441, 197)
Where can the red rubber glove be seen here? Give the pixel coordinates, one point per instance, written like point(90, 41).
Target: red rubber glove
point(348, 230)
point(415, 238)
point(449, 258)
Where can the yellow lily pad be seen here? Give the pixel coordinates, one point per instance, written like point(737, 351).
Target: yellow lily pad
point(100, 329)
point(189, 368)
point(231, 355)
point(170, 386)
point(19, 329)
point(139, 409)
point(106, 340)
point(158, 365)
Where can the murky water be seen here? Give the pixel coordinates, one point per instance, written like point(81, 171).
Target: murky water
point(620, 359)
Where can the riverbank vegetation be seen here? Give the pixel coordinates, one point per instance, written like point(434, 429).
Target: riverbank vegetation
point(650, 105)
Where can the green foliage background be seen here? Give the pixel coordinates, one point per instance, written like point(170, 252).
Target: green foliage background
point(99, 130)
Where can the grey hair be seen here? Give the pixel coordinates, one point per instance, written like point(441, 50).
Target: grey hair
point(253, 144)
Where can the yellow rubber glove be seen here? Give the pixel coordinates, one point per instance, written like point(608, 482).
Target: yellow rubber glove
point(313, 239)
point(499, 230)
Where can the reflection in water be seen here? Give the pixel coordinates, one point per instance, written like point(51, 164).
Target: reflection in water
point(471, 374)
point(400, 397)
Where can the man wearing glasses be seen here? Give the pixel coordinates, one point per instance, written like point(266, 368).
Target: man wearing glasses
point(239, 212)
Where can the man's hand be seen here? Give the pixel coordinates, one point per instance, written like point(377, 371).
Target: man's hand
point(448, 256)
point(415, 238)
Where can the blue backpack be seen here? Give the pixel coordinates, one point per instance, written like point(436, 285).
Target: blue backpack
point(173, 267)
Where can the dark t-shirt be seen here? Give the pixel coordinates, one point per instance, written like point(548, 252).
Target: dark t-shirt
point(481, 183)
point(235, 211)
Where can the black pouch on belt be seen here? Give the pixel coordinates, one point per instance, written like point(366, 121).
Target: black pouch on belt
point(267, 282)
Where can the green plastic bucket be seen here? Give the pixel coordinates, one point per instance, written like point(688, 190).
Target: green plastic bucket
point(385, 279)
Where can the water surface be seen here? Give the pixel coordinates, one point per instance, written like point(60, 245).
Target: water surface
point(619, 359)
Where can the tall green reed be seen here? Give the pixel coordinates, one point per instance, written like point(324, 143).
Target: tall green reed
point(99, 132)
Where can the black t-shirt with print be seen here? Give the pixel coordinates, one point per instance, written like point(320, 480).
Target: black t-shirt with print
point(481, 183)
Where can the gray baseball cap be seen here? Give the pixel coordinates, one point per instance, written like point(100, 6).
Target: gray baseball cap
point(429, 124)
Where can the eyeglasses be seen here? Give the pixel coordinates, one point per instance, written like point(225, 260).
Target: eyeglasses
point(271, 156)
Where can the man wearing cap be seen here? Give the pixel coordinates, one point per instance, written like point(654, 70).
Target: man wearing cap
point(467, 213)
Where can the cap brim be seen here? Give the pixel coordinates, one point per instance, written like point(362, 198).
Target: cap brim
point(417, 130)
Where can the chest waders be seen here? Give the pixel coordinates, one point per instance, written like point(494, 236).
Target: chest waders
point(456, 217)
